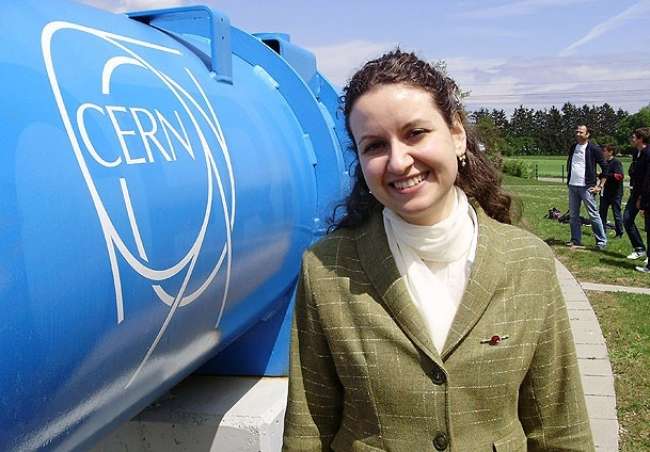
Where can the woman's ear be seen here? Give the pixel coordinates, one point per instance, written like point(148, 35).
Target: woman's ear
point(459, 136)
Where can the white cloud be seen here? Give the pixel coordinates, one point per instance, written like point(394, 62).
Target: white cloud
point(471, 68)
point(519, 8)
point(542, 82)
point(120, 6)
point(624, 81)
point(612, 23)
point(339, 61)
point(621, 80)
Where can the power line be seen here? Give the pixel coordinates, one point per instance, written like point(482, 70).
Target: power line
point(613, 103)
point(607, 99)
point(469, 85)
point(623, 92)
point(552, 103)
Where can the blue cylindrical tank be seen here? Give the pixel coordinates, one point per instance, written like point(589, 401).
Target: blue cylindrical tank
point(161, 175)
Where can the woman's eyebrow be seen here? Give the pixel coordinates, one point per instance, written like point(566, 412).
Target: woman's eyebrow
point(368, 136)
point(413, 123)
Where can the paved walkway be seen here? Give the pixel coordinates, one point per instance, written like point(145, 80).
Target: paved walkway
point(595, 369)
point(612, 288)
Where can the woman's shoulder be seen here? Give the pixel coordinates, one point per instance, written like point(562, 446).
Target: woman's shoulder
point(516, 242)
point(330, 249)
point(524, 260)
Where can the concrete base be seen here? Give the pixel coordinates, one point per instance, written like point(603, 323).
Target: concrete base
point(208, 413)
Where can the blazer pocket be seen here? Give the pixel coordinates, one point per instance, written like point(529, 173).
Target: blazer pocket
point(515, 441)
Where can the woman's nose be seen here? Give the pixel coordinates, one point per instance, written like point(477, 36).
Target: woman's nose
point(400, 159)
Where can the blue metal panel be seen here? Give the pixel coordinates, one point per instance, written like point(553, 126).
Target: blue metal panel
point(304, 63)
point(150, 214)
point(201, 21)
point(331, 177)
point(301, 60)
point(329, 98)
point(270, 339)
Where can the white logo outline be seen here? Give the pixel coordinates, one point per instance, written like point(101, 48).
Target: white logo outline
point(111, 235)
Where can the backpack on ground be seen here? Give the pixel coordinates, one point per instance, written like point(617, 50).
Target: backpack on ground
point(553, 214)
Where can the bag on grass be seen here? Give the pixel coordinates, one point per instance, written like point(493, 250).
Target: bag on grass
point(553, 214)
point(566, 218)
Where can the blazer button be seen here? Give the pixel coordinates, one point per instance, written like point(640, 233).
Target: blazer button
point(438, 376)
point(440, 442)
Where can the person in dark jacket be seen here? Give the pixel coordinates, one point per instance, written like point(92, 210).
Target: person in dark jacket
point(639, 139)
point(584, 185)
point(643, 196)
point(612, 192)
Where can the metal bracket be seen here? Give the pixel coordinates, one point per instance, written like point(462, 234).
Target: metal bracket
point(200, 21)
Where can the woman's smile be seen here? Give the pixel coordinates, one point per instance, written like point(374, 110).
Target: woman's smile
point(406, 185)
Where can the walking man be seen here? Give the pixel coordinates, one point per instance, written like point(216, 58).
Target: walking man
point(612, 192)
point(639, 139)
point(584, 185)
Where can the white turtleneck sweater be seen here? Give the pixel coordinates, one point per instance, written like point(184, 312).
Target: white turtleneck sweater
point(436, 261)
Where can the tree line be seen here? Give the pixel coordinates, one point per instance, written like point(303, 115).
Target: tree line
point(552, 131)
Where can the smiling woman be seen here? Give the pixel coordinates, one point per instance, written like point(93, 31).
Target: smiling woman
point(423, 320)
point(436, 102)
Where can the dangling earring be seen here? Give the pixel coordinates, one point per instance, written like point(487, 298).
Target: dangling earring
point(462, 160)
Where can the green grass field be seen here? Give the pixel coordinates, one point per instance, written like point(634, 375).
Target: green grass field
point(552, 165)
point(609, 266)
point(623, 317)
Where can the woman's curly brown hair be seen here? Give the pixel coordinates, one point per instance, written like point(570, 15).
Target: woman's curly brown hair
point(478, 178)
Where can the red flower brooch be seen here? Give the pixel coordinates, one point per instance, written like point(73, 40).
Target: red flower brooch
point(494, 340)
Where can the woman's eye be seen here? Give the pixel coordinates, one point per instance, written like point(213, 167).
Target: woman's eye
point(416, 133)
point(372, 147)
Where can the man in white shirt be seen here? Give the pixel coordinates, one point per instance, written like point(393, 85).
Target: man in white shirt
point(584, 186)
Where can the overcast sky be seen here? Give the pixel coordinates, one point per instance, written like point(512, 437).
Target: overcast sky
point(505, 52)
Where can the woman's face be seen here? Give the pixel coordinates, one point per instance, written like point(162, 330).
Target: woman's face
point(407, 152)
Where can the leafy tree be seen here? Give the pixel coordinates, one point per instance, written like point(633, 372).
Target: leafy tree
point(554, 142)
point(570, 118)
point(552, 131)
point(549, 132)
point(500, 121)
point(491, 138)
point(522, 132)
point(522, 122)
point(628, 124)
point(520, 146)
point(607, 119)
point(479, 114)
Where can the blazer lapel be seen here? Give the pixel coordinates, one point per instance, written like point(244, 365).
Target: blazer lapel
point(379, 264)
point(485, 275)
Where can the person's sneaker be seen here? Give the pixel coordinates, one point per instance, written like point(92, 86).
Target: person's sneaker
point(636, 255)
point(571, 243)
point(642, 269)
point(601, 246)
point(645, 262)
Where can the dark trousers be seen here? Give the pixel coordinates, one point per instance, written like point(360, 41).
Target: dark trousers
point(615, 203)
point(647, 229)
point(629, 215)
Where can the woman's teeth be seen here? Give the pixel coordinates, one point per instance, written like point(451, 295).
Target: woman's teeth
point(408, 183)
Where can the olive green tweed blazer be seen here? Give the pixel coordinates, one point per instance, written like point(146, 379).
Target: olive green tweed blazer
point(365, 375)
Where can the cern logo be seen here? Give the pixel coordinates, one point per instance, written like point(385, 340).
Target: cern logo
point(132, 141)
